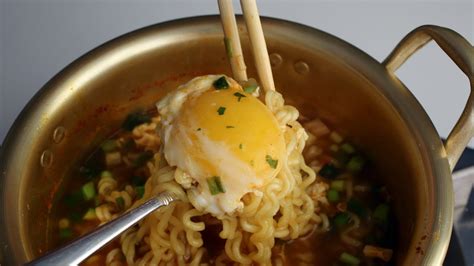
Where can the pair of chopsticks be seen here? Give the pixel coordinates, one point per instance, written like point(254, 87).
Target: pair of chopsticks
point(257, 41)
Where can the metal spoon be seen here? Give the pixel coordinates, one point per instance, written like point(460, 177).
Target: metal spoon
point(81, 248)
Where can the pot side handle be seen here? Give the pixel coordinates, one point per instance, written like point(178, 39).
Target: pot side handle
point(462, 53)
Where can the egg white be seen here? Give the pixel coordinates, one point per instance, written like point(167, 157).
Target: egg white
point(238, 177)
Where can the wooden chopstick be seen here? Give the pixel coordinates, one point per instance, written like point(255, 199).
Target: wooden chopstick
point(257, 40)
point(232, 41)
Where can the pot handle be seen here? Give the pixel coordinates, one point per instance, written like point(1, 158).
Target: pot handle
point(462, 53)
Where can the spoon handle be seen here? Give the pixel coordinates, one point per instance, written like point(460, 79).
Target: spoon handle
point(81, 248)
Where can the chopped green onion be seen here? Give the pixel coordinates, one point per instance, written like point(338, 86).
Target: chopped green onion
point(140, 191)
point(273, 163)
point(64, 223)
point(221, 110)
point(221, 83)
point(241, 146)
point(338, 185)
point(349, 259)
point(381, 213)
point(229, 127)
point(90, 215)
point(239, 96)
point(135, 119)
point(356, 163)
point(113, 158)
point(348, 148)
point(120, 203)
point(88, 190)
point(355, 206)
point(215, 185)
point(336, 137)
point(332, 195)
point(106, 174)
point(109, 145)
point(65, 233)
point(143, 158)
point(228, 46)
point(251, 88)
point(341, 219)
point(329, 171)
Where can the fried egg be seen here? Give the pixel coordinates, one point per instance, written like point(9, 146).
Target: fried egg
point(226, 141)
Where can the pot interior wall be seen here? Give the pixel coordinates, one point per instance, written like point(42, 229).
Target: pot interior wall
point(91, 104)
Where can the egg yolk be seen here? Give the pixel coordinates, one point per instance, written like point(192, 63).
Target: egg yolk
point(240, 122)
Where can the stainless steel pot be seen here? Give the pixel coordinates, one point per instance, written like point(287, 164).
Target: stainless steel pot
point(321, 74)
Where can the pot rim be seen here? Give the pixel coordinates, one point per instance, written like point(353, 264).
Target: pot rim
point(403, 101)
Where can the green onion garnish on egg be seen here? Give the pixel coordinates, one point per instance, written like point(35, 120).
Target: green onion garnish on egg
point(221, 110)
point(215, 185)
point(239, 96)
point(273, 163)
point(221, 83)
